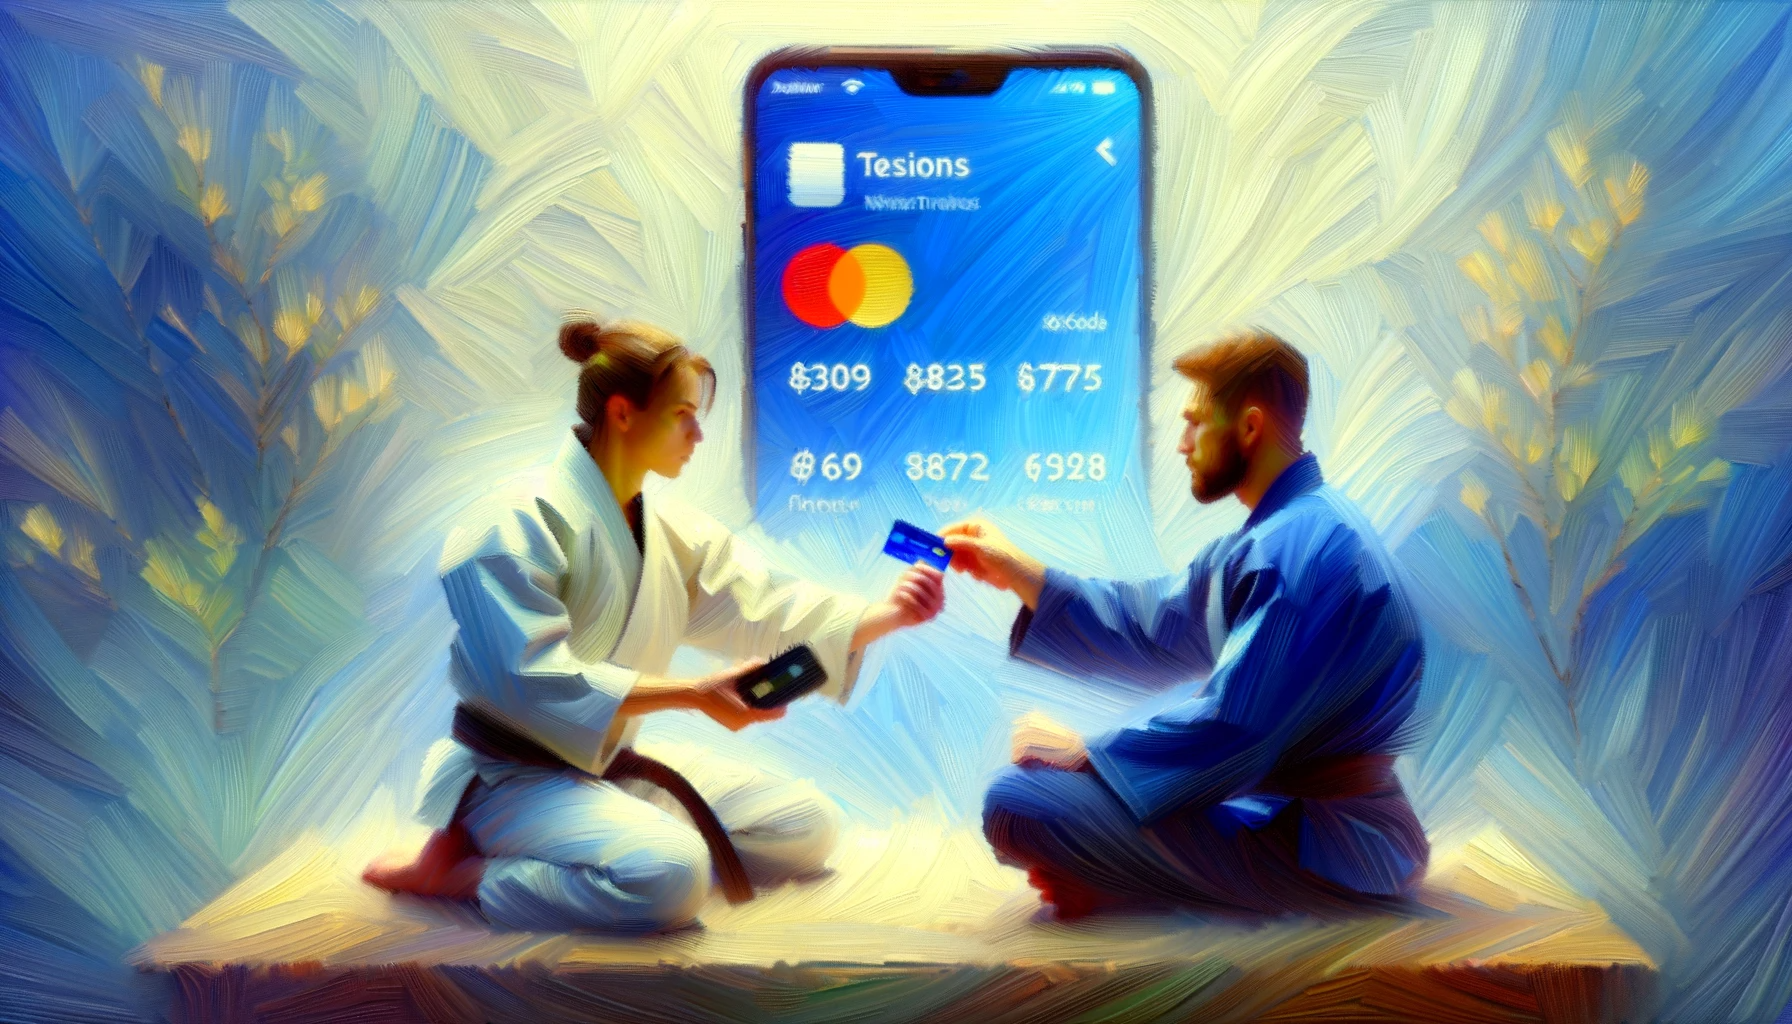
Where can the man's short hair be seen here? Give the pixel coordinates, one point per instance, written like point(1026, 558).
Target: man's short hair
point(1251, 365)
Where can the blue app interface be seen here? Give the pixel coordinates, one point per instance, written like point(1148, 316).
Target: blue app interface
point(946, 300)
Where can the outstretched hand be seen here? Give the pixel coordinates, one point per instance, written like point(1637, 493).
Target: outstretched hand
point(918, 596)
point(980, 548)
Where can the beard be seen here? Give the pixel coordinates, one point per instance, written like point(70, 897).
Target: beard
point(1211, 483)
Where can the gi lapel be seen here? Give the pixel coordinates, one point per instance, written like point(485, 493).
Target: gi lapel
point(656, 622)
point(603, 569)
point(1216, 606)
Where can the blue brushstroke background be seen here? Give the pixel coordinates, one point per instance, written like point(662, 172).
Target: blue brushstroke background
point(276, 288)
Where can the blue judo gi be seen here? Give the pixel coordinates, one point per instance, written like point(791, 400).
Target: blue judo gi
point(1271, 789)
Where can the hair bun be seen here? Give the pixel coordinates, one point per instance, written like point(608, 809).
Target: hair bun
point(578, 340)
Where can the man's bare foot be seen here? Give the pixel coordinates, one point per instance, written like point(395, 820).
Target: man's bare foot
point(448, 866)
point(1069, 901)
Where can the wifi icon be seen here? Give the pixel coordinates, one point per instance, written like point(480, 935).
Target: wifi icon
point(852, 86)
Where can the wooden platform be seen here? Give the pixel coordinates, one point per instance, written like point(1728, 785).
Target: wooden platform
point(918, 923)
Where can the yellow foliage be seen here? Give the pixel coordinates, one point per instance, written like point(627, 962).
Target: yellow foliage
point(220, 536)
point(1591, 239)
point(213, 607)
point(1493, 228)
point(167, 575)
point(325, 403)
point(1475, 494)
point(282, 141)
point(275, 188)
point(1544, 212)
point(282, 219)
point(1493, 408)
point(1571, 155)
point(41, 526)
point(314, 307)
point(349, 313)
point(367, 298)
point(1567, 485)
point(1508, 321)
point(1528, 270)
point(213, 204)
point(1538, 446)
point(80, 555)
point(292, 328)
point(1578, 458)
point(1555, 340)
point(250, 333)
point(1463, 411)
point(1575, 375)
point(1477, 404)
point(227, 261)
point(1661, 450)
point(377, 373)
point(1513, 443)
point(1464, 406)
point(308, 195)
point(1480, 268)
point(291, 436)
point(196, 142)
point(213, 516)
point(1687, 426)
point(1627, 195)
point(151, 76)
point(1715, 470)
point(354, 396)
point(1536, 379)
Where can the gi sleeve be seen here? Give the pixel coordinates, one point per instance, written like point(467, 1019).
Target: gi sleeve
point(742, 607)
point(1150, 631)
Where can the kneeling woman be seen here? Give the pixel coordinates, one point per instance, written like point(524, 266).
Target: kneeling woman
point(569, 613)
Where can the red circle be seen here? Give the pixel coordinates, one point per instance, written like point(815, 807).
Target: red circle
point(806, 285)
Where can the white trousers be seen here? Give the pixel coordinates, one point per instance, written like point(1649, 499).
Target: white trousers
point(566, 851)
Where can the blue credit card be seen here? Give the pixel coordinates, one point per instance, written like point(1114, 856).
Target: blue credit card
point(909, 543)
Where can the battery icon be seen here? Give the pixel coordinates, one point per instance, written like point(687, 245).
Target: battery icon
point(1102, 87)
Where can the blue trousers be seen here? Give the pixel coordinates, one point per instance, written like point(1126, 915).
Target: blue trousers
point(1242, 856)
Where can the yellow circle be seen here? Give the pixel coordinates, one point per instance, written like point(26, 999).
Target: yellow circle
point(888, 285)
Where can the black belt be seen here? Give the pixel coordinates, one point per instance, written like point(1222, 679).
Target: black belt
point(484, 734)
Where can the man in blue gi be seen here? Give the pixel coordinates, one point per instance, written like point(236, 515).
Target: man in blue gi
point(1271, 788)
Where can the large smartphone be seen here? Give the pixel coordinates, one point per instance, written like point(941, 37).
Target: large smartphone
point(947, 285)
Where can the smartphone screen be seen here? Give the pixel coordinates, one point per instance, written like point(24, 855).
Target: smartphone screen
point(947, 288)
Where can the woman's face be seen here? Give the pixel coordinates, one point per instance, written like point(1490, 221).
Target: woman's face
point(663, 437)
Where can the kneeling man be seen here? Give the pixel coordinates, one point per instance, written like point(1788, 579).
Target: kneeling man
point(1271, 789)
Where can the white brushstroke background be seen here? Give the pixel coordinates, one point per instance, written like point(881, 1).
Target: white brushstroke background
point(1321, 167)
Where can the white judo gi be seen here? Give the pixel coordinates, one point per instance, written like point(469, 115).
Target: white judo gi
point(559, 613)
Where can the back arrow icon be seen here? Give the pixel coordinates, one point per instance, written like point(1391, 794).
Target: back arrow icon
point(1105, 151)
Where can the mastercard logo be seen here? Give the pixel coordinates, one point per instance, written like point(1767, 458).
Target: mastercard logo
point(825, 285)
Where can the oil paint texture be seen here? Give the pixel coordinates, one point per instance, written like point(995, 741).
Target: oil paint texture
point(279, 284)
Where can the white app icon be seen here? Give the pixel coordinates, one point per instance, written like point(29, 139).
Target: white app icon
point(852, 86)
point(817, 174)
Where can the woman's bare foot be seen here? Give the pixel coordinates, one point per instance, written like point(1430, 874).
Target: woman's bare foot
point(448, 866)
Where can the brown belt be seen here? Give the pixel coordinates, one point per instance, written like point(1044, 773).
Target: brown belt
point(484, 734)
point(1326, 778)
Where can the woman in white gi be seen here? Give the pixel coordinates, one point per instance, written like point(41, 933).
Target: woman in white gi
point(569, 613)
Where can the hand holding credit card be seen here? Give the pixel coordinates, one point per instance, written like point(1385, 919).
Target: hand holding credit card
point(909, 544)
